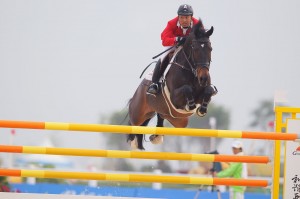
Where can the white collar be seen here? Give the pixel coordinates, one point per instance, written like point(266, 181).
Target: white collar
point(178, 24)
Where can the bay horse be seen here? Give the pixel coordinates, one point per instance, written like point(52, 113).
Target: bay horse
point(185, 90)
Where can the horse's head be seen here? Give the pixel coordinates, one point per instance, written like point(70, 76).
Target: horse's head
point(198, 49)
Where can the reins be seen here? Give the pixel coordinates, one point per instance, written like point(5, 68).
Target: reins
point(147, 68)
point(191, 68)
point(168, 49)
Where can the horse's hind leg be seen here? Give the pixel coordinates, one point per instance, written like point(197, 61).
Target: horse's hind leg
point(136, 140)
point(158, 139)
point(160, 121)
point(140, 137)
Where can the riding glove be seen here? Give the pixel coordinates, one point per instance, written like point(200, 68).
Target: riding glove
point(180, 40)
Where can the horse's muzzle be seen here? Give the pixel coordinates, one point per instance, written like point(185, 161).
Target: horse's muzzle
point(203, 76)
point(203, 81)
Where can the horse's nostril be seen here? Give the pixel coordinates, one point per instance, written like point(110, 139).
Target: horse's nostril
point(203, 81)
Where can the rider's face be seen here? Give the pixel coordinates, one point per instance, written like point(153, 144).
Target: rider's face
point(185, 21)
point(235, 150)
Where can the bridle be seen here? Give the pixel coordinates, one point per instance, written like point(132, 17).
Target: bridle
point(206, 64)
point(193, 66)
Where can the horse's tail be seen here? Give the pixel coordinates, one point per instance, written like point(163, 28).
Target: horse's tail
point(124, 119)
point(127, 114)
point(129, 101)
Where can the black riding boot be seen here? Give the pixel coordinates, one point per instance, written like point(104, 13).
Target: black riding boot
point(153, 88)
point(157, 73)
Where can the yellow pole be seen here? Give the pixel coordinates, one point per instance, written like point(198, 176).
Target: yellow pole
point(280, 124)
point(146, 130)
point(174, 179)
point(133, 154)
point(276, 164)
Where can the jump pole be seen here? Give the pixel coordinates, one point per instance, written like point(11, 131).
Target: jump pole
point(133, 154)
point(280, 125)
point(147, 130)
point(133, 177)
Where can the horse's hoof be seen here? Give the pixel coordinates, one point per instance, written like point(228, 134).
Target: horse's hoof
point(133, 144)
point(130, 137)
point(201, 111)
point(156, 139)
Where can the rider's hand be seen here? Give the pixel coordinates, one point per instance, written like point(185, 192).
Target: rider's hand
point(180, 40)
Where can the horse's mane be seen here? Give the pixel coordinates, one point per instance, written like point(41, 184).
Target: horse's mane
point(199, 29)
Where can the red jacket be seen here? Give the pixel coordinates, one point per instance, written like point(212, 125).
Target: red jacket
point(173, 30)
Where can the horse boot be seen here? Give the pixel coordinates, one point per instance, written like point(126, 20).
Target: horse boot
point(214, 90)
point(209, 92)
point(157, 74)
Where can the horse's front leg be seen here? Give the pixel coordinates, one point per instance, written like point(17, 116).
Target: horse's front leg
point(158, 139)
point(209, 91)
point(183, 98)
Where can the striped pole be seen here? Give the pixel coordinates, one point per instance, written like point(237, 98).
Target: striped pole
point(147, 130)
point(133, 177)
point(133, 154)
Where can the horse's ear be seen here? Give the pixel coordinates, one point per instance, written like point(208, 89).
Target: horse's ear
point(209, 32)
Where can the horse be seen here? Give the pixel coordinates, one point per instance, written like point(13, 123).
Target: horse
point(186, 88)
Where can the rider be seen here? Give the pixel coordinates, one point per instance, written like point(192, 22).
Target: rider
point(174, 34)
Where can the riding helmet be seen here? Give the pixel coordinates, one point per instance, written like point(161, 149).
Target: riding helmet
point(185, 10)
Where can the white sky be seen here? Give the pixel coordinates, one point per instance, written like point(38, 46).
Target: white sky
point(75, 60)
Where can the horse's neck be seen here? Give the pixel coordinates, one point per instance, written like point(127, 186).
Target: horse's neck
point(177, 77)
point(179, 65)
point(182, 58)
point(173, 59)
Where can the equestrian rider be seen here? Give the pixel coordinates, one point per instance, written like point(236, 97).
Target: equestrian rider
point(174, 34)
